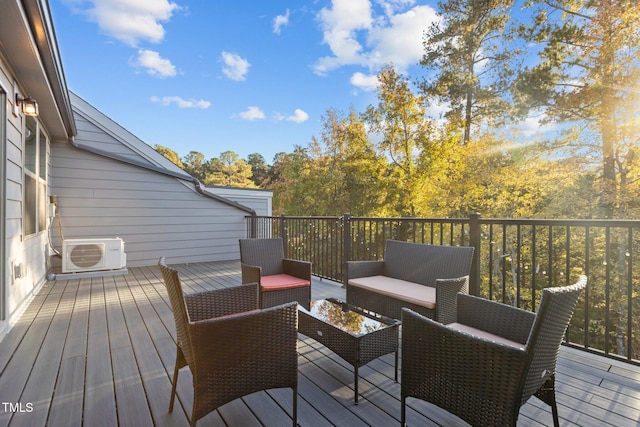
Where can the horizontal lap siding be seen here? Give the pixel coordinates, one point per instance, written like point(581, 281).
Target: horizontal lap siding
point(19, 250)
point(93, 136)
point(258, 200)
point(258, 205)
point(156, 215)
point(13, 172)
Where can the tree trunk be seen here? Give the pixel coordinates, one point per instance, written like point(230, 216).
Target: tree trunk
point(468, 107)
point(607, 124)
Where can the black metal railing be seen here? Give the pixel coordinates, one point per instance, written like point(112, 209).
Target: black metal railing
point(513, 261)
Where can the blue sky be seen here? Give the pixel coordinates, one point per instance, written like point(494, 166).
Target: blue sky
point(248, 76)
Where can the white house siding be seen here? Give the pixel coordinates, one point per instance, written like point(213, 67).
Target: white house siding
point(29, 66)
point(30, 251)
point(155, 214)
point(258, 200)
point(94, 137)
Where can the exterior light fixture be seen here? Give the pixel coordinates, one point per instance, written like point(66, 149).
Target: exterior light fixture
point(29, 105)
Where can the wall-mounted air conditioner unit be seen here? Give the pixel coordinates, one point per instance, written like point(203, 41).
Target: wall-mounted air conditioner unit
point(92, 255)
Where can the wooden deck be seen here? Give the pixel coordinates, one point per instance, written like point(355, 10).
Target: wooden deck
point(100, 352)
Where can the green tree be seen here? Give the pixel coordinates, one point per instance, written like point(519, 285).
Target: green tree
point(293, 190)
point(336, 173)
point(273, 173)
point(588, 75)
point(195, 165)
point(469, 60)
point(259, 169)
point(169, 154)
point(351, 169)
point(400, 123)
point(491, 176)
point(364, 170)
point(229, 170)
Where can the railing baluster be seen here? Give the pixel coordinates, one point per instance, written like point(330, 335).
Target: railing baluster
point(587, 262)
point(607, 297)
point(491, 249)
point(503, 262)
point(550, 256)
point(534, 268)
point(517, 261)
point(629, 258)
point(567, 269)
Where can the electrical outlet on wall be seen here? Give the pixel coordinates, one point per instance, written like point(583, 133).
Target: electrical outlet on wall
point(17, 271)
point(20, 270)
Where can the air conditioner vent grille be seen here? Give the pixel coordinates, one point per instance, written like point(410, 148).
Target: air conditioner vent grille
point(80, 255)
point(87, 255)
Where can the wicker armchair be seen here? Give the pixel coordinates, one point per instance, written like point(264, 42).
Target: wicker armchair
point(485, 366)
point(281, 279)
point(231, 347)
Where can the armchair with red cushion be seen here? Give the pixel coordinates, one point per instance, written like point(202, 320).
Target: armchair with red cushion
point(281, 279)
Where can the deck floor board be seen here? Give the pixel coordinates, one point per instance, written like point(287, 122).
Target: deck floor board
point(100, 352)
point(99, 397)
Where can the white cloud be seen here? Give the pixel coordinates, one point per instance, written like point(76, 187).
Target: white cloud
point(154, 64)
point(390, 6)
point(365, 82)
point(180, 102)
point(400, 39)
point(280, 21)
point(357, 36)
point(299, 116)
point(532, 125)
point(437, 110)
point(340, 26)
point(129, 21)
point(252, 113)
point(235, 67)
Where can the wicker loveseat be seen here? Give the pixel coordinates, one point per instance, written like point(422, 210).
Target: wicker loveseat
point(424, 278)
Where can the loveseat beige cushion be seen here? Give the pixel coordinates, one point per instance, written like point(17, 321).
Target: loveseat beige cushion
point(411, 292)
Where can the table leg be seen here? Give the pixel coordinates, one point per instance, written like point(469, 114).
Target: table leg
point(396, 365)
point(355, 381)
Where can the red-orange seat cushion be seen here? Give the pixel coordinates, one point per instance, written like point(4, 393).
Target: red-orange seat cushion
point(281, 281)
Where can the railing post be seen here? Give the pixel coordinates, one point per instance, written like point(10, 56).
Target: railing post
point(253, 224)
point(346, 245)
point(283, 234)
point(474, 240)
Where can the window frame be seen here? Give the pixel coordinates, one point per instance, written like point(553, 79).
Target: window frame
point(35, 184)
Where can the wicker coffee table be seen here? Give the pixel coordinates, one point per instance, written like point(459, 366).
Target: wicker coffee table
point(356, 336)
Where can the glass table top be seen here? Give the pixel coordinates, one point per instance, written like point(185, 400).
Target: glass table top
point(346, 318)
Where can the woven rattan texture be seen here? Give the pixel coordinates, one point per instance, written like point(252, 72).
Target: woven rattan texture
point(356, 350)
point(446, 268)
point(481, 381)
point(265, 257)
point(231, 352)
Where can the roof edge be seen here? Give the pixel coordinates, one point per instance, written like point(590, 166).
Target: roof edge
point(199, 188)
point(38, 14)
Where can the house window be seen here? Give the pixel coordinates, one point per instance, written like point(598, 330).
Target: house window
point(35, 178)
